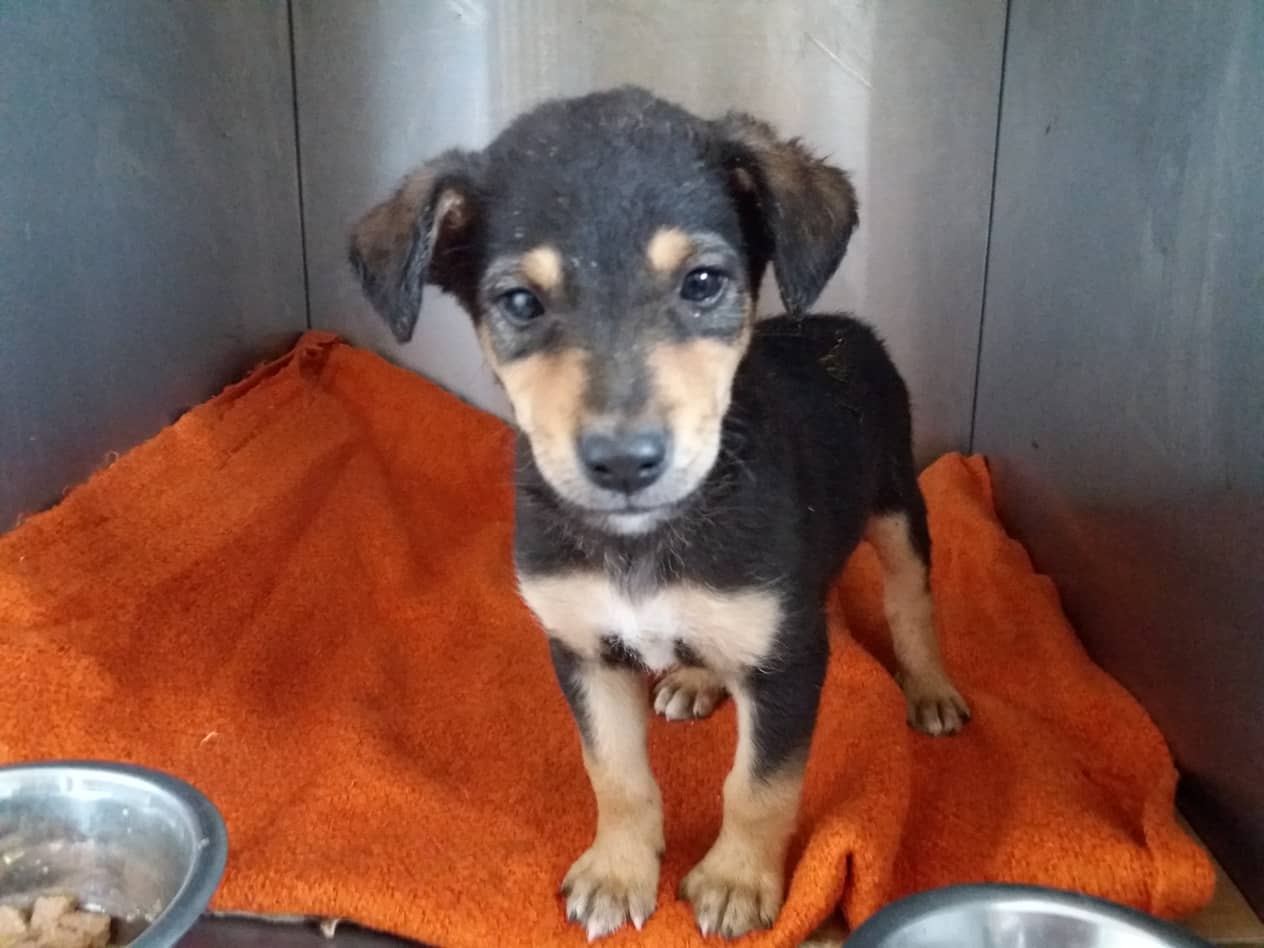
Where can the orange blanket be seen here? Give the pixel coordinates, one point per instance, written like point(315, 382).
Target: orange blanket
point(300, 598)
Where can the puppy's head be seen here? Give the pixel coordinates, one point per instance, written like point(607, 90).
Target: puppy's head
point(609, 250)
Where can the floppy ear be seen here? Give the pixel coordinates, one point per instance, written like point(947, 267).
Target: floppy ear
point(804, 209)
point(426, 233)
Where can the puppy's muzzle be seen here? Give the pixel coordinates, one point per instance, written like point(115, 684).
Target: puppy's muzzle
point(624, 462)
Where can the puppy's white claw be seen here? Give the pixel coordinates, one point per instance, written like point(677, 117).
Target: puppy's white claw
point(597, 929)
point(680, 707)
point(663, 699)
point(609, 886)
point(577, 907)
point(640, 908)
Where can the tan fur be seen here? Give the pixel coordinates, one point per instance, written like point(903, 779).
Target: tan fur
point(668, 249)
point(693, 383)
point(738, 886)
point(616, 879)
point(728, 631)
point(935, 706)
point(543, 267)
point(545, 391)
point(906, 592)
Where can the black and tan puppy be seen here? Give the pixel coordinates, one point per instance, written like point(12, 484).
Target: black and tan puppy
point(689, 479)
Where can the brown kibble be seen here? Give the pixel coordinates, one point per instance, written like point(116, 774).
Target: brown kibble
point(88, 929)
point(55, 922)
point(48, 909)
point(12, 924)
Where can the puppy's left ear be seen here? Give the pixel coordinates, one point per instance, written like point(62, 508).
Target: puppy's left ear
point(804, 210)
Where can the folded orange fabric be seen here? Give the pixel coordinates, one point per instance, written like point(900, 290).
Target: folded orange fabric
point(300, 598)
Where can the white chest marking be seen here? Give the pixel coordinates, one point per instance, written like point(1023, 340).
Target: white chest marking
point(728, 631)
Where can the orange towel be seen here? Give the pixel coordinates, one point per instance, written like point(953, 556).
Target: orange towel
point(300, 598)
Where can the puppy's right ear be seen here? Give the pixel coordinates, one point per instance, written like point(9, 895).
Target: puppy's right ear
point(426, 233)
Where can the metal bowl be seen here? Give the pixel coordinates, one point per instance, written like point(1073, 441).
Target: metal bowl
point(1014, 916)
point(143, 846)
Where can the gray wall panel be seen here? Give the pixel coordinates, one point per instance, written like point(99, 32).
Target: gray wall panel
point(901, 93)
point(1121, 394)
point(149, 235)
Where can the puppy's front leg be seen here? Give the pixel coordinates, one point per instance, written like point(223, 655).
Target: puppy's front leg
point(616, 880)
point(739, 885)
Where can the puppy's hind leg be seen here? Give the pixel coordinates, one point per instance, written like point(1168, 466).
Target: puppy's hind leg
point(902, 541)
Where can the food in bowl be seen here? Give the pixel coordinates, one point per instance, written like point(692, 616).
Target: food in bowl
point(139, 846)
point(54, 921)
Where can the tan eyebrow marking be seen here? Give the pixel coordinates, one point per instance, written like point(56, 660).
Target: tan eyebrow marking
point(542, 265)
point(668, 249)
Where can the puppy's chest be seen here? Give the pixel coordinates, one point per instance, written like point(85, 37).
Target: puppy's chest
point(657, 626)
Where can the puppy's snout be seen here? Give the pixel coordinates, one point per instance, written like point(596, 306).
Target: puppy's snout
point(624, 462)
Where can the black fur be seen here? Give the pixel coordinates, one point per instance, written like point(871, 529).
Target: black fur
point(426, 247)
point(686, 656)
point(616, 652)
point(566, 665)
point(787, 693)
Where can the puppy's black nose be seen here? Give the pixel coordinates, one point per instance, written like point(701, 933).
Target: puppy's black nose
point(626, 462)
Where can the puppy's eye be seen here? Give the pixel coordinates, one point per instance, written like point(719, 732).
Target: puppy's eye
point(519, 306)
point(703, 285)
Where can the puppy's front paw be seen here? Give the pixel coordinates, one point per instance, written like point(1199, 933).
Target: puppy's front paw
point(610, 885)
point(935, 707)
point(684, 693)
point(733, 893)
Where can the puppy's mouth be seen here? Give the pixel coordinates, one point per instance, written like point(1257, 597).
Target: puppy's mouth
point(632, 519)
point(627, 516)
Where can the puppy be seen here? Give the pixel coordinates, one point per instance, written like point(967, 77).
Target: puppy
point(689, 480)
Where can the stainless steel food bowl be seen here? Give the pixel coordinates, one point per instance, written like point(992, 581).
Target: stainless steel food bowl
point(1013, 916)
point(143, 846)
